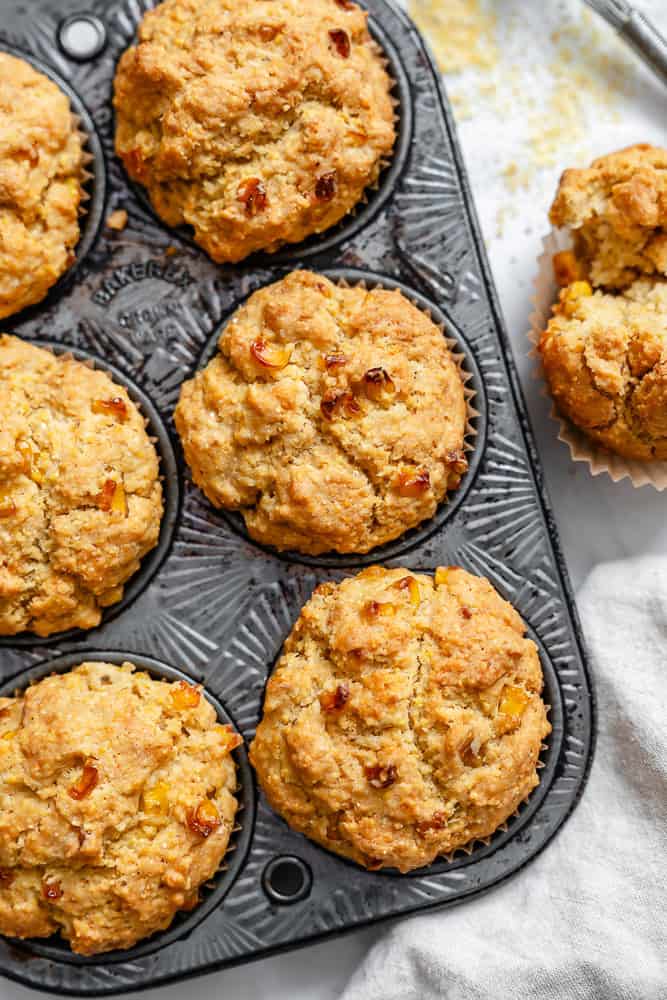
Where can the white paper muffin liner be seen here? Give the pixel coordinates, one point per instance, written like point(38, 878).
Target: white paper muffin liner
point(582, 448)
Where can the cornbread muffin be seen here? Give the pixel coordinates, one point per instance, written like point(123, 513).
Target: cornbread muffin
point(605, 361)
point(333, 418)
point(255, 123)
point(617, 211)
point(80, 498)
point(40, 184)
point(404, 718)
point(116, 804)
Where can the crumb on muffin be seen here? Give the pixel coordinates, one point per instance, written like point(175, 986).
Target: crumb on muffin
point(617, 211)
point(333, 418)
point(41, 162)
point(404, 718)
point(116, 804)
point(605, 361)
point(80, 496)
point(256, 124)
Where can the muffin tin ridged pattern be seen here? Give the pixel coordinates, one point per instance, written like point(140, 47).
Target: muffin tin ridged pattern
point(220, 606)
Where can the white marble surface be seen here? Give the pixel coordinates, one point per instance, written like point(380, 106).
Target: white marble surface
point(598, 520)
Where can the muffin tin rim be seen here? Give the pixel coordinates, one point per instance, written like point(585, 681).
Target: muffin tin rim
point(183, 923)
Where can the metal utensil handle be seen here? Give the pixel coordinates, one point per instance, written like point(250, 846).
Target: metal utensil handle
point(645, 38)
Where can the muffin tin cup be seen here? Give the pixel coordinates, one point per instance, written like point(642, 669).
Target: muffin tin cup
point(152, 561)
point(376, 194)
point(212, 892)
point(217, 605)
point(474, 441)
point(514, 824)
point(582, 448)
point(93, 183)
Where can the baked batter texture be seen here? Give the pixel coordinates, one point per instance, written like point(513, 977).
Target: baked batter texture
point(80, 496)
point(404, 718)
point(333, 418)
point(41, 163)
point(255, 123)
point(605, 361)
point(617, 211)
point(116, 804)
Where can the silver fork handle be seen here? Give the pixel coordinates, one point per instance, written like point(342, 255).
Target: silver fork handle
point(645, 38)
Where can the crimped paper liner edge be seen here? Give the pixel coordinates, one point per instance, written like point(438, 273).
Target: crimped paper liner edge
point(87, 161)
point(582, 448)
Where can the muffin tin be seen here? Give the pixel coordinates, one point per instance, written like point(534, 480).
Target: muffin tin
point(147, 305)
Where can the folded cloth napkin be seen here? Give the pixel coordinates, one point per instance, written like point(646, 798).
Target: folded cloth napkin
point(588, 918)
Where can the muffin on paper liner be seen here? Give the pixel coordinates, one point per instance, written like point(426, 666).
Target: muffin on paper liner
point(44, 174)
point(128, 829)
point(307, 530)
point(582, 448)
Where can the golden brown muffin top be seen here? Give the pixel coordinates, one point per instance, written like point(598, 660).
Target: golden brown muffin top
point(255, 123)
point(332, 418)
point(605, 360)
point(116, 804)
point(617, 209)
point(404, 718)
point(40, 184)
point(80, 498)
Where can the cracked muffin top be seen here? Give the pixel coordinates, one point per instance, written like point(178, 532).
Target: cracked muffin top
point(404, 718)
point(255, 123)
point(40, 184)
point(116, 804)
point(617, 211)
point(80, 498)
point(333, 418)
point(605, 360)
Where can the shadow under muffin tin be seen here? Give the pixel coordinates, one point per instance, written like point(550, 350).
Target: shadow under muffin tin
point(209, 604)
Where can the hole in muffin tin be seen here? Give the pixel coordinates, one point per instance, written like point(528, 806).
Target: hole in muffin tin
point(82, 36)
point(357, 218)
point(287, 879)
point(171, 499)
point(213, 892)
point(94, 187)
point(448, 506)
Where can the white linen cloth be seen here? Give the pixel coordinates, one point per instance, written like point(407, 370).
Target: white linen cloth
point(588, 918)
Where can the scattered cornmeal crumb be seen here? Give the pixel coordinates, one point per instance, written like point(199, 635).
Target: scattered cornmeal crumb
point(583, 75)
point(117, 220)
point(461, 33)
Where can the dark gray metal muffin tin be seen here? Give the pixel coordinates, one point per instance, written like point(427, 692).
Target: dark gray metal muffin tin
point(209, 602)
